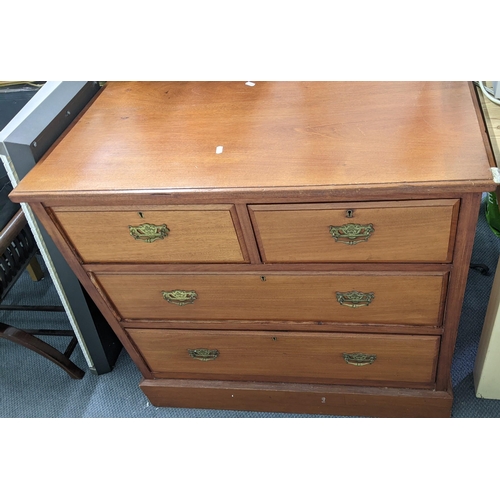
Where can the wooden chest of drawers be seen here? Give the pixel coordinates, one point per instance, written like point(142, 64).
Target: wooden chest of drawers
point(284, 247)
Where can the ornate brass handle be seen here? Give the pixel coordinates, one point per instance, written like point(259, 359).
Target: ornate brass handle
point(180, 297)
point(355, 298)
point(351, 234)
point(204, 354)
point(359, 358)
point(149, 232)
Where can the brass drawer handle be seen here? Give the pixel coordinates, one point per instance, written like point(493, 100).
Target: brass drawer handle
point(359, 358)
point(149, 232)
point(204, 354)
point(180, 297)
point(355, 298)
point(351, 234)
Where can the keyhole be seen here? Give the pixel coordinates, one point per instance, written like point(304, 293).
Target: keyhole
point(262, 278)
point(275, 338)
point(141, 215)
point(349, 214)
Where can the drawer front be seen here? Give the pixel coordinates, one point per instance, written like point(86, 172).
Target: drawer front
point(406, 231)
point(176, 235)
point(282, 356)
point(327, 297)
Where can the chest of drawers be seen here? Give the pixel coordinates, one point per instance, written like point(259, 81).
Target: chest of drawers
point(285, 247)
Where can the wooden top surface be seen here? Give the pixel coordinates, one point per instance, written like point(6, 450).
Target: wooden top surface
point(162, 136)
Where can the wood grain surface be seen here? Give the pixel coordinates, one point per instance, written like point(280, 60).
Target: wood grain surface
point(204, 235)
point(299, 398)
point(420, 231)
point(466, 230)
point(286, 356)
point(162, 137)
point(409, 155)
point(399, 299)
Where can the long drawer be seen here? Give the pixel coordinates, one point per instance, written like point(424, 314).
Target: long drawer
point(404, 231)
point(178, 234)
point(285, 356)
point(413, 299)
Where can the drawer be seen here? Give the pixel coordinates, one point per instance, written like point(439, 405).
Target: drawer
point(404, 231)
point(204, 234)
point(285, 356)
point(397, 298)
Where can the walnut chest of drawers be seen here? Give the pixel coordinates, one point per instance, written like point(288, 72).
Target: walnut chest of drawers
point(294, 247)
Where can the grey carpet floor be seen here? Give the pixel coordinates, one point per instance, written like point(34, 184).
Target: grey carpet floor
point(32, 387)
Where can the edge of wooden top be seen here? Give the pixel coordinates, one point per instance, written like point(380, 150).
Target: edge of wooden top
point(18, 195)
point(482, 109)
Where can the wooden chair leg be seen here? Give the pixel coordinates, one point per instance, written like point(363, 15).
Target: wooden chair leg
point(40, 347)
point(34, 269)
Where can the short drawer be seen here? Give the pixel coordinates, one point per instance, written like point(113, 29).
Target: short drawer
point(326, 297)
point(179, 234)
point(404, 231)
point(289, 356)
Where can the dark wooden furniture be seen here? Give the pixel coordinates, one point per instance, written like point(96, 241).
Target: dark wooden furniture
point(291, 246)
point(17, 253)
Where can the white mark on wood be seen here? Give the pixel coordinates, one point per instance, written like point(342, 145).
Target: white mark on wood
point(496, 175)
point(323, 400)
point(250, 84)
point(219, 149)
